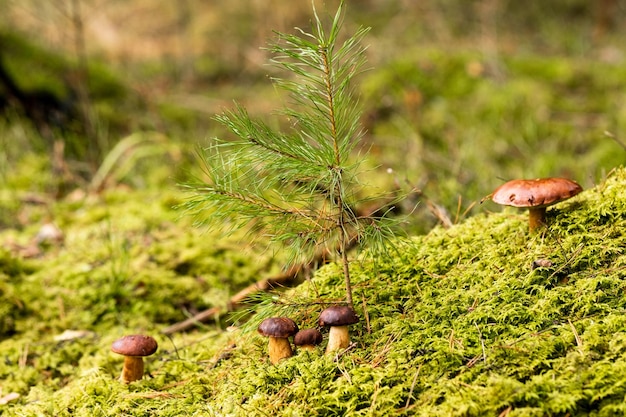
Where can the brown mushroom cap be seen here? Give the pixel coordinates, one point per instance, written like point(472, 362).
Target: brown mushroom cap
point(338, 316)
point(135, 345)
point(307, 337)
point(540, 192)
point(278, 327)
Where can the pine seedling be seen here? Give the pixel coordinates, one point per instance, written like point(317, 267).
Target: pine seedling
point(300, 188)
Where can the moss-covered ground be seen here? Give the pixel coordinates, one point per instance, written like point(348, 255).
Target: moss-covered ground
point(460, 321)
point(479, 319)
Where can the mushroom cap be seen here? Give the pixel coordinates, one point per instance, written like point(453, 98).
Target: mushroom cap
point(135, 345)
point(307, 337)
point(338, 316)
point(540, 192)
point(278, 327)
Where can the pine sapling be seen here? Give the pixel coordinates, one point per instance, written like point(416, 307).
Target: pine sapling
point(298, 187)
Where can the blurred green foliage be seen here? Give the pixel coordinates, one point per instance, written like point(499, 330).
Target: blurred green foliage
point(459, 96)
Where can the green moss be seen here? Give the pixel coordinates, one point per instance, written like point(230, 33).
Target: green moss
point(459, 323)
point(128, 264)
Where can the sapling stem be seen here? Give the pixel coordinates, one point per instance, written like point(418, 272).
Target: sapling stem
point(338, 198)
point(346, 272)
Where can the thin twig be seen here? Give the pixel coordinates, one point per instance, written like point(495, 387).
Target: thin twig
point(366, 314)
point(235, 300)
point(505, 412)
point(615, 138)
point(408, 400)
point(340, 353)
point(265, 284)
point(482, 343)
point(579, 341)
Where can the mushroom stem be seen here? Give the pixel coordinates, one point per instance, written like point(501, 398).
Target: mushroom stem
point(132, 370)
point(310, 348)
point(536, 218)
point(279, 348)
point(338, 338)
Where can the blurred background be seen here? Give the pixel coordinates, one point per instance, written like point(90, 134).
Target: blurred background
point(458, 96)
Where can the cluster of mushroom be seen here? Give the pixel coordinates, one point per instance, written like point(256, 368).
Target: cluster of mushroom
point(280, 329)
point(535, 194)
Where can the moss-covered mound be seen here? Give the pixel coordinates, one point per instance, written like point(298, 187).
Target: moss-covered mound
point(479, 319)
point(125, 262)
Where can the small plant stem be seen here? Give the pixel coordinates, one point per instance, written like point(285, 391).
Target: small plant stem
point(338, 197)
point(579, 341)
point(331, 104)
point(346, 272)
point(408, 400)
point(366, 314)
point(482, 343)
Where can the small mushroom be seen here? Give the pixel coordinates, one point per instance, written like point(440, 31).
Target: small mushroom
point(49, 234)
point(541, 263)
point(134, 348)
point(338, 318)
point(535, 195)
point(278, 329)
point(307, 339)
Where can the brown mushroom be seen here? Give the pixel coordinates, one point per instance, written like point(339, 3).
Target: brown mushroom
point(278, 329)
point(338, 318)
point(307, 339)
point(134, 348)
point(535, 195)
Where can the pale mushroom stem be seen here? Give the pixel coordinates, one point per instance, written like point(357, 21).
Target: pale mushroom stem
point(536, 218)
point(338, 338)
point(279, 348)
point(133, 369)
